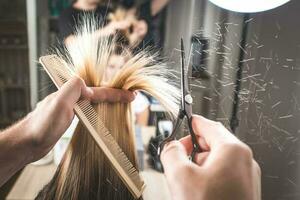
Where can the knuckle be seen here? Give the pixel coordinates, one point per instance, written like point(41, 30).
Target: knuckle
point(238, 149)
point(246, 150)
point(257, 168)
point(77, 80)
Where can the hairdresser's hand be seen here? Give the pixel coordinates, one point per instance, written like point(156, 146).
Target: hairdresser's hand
point(120, 25)
point(225, 170)
point(112, 27)
point(52, 116)
point(140, 29)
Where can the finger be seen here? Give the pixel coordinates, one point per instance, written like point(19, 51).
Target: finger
point(200, 158)
point(173, 157)
point(104, 94)
point(187, 143)
point(72, 90)
point(214, 133)
point(256, 168)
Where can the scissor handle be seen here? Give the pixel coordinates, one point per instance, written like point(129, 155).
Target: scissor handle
point(196, 146)
point(185, 111)
point(163, 143)
point(173, 134)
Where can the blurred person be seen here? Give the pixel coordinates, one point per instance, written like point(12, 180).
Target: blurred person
point(134, 33)
point(141, 28)
point(70, 18)
point(146, 12)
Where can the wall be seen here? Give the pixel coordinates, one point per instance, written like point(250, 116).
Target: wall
point(269, 98)
point(270, 107)
point(212, 97)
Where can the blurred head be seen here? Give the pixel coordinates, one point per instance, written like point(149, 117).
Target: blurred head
point(90, 2)
point(124, 36)
point(115, 63)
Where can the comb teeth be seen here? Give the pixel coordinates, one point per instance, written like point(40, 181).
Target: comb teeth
point(60, 74)
point(117, 152)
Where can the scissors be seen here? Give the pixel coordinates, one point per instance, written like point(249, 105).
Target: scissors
point(184, 111)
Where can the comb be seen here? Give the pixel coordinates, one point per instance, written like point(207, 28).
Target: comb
point(60, 73)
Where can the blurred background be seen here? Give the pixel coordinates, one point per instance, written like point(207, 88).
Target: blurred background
point(244, 72)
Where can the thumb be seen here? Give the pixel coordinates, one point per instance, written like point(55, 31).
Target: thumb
point(72, 90)
point(173, 157)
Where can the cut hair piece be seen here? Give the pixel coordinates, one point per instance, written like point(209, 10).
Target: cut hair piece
point(100, 161)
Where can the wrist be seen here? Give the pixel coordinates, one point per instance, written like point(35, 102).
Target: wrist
point(33, 145)
point(25, 139)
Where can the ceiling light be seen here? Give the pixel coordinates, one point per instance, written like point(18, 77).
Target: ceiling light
point(248, 6)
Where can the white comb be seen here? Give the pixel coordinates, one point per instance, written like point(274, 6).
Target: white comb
point(59, 73)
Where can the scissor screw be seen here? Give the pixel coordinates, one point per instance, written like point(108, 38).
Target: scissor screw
point(188, 98)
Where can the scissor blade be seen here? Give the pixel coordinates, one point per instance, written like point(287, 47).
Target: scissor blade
point(184, 77)
point(182, 74)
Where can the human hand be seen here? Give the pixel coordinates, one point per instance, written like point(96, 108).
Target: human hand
point(224, 170)
point(52, 116)
point(140, 29)
point(112, 27)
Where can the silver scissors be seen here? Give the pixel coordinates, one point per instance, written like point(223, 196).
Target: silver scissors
point(184, 111)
